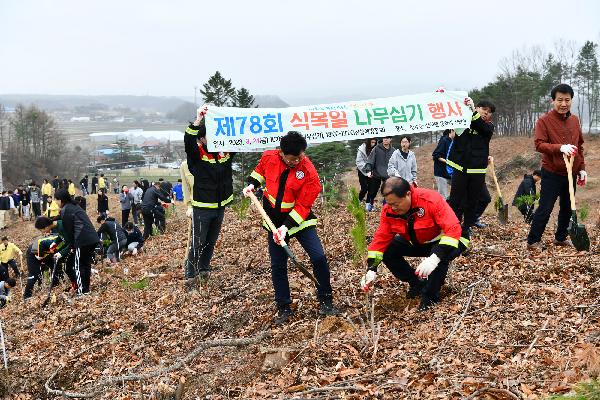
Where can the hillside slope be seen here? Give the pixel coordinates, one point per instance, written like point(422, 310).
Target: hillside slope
point(510, 325)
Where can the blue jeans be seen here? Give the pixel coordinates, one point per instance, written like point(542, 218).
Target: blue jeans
point(553, 187)
point(206, 225)
point(310, 242)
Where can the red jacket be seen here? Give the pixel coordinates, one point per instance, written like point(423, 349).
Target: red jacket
point(553, 130)
point(433, 221)
point(301, 189)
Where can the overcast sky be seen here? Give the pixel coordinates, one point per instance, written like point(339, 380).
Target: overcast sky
point(298, 50)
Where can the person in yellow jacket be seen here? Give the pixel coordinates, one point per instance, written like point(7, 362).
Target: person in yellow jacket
point(46, 193)
point(101, 182)
point(53, 209)
point(8, 252)
point(71, 188)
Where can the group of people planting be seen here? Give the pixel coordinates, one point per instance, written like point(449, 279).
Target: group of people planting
point(414, 221)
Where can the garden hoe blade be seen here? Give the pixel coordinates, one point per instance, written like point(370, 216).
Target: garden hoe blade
point(577, 231)
point(502, 208)
point(288, 251)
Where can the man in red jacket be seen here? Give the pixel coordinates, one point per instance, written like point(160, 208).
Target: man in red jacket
point(415, 222)
point(291, 187)
point(556, 133)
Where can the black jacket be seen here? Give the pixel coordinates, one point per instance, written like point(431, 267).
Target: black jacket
point(471, 149)
point(102, 203)
point(151, 197)
point(135, 236)
point(113, 229)
point(526, 187)
point(213, 176)
point(78, 225)
point(4, 203)
point(441, 151)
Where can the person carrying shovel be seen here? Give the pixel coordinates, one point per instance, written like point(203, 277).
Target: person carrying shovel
point(557, 135)
point(291, 187)
point(213, 191)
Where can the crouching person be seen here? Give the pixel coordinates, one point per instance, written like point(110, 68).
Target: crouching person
point(415, 222)
point(135, 238)
point(5, 287)
point(117, 235)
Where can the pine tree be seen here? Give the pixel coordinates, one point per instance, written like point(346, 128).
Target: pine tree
point(587, 75)
point(243, 99)
point(218, 91)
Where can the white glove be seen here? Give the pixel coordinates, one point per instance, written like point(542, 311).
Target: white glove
point(190, 212)
point(246, 191)
point(57, 256)
point(39, 258)
point(369, 174)
point(279, 235)
point(427, 266)
point(367, 280)
point(568, 149)
point(201, 112)
point(582, 178)
point(469, 103)
point(441, 89)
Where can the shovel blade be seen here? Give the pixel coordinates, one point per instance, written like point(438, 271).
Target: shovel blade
point(503, 214)
point(579, 237)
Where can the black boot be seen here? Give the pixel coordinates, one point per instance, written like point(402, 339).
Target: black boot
point(326, 307)
point(283, 314)
point(427, 302)
point(415, 288)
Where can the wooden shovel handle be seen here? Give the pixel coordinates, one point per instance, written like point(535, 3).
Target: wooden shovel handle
point(495, 178)
point(262, 211)
point(569, 163)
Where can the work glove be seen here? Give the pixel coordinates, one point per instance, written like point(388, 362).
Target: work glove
point(427, 266)
point(469, 103)
point(367, 280)
point(247, 190)
point(369, 175)
point(190, 212)
point(279, 235)
point(57, 257)
point(38, 257)
point(582, 178)
point(200, 113)
point(568, 149)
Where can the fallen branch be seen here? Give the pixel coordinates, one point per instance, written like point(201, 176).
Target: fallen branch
point(465, 310)
point(492, 390)
point(108, 381)
point(535, 339)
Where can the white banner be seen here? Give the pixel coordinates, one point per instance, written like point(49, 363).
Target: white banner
point(258, 129)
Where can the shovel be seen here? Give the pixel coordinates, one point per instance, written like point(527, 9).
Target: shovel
point(577, 232)
point(45, 303)
point(291, 255)
point(503, 208)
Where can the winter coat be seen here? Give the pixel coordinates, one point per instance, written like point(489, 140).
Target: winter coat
point(403, 167)
point(378, 161)
point(361, 159)
point(471, 149)
point(441, 151)
point(78, 225)
point(113, 230)
point(126, 200)
point(526, 187)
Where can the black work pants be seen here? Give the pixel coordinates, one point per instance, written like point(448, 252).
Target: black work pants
point(374, 185)
point(553, 187)
point(465, 194)
point(206, 225)
point(364, 181)
point(394, 260)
